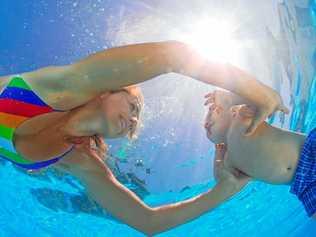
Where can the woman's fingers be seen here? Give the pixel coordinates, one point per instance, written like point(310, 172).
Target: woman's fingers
point(210, 95)
point(284, 109)
point(220, 150)
point(263, 113)
point(259, 118)
point(207, 102)
point(210, 98)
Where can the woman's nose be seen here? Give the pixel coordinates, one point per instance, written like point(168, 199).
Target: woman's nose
point(133, 121)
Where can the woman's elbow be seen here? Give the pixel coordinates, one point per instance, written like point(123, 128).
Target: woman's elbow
point(150, 224)
point(174, 53)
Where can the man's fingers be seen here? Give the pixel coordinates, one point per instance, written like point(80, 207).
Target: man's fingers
point(84, 149)
point(220, 147)
point(220, 150)
point(219, 155)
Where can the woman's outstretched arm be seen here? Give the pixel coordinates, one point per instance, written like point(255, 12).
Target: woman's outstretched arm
point(66, 87)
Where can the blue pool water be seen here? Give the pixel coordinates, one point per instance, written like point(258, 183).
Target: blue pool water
point(172, 159)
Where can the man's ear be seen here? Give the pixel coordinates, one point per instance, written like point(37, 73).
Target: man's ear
point(243, 111)
point(247, 111)
point(240, 122)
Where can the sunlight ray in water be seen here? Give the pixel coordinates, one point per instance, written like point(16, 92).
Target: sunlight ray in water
point(214, 39)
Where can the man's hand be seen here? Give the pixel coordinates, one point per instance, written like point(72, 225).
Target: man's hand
point(86, 149)
point(223, 172)
point(92, 146)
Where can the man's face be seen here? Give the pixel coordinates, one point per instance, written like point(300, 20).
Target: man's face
point(216, 124)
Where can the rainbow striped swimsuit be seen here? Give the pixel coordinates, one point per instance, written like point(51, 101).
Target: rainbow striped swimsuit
point(19, 103)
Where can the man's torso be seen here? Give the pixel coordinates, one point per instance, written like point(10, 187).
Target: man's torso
point(270, 155)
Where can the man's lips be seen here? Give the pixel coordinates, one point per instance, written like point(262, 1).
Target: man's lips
point(208, 130)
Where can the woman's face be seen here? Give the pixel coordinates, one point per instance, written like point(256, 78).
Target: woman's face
point(121, 113)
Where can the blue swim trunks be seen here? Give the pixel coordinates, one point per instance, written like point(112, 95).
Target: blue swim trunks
point(304, 182)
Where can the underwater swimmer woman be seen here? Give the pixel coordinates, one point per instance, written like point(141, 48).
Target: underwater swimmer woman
point(75, 94)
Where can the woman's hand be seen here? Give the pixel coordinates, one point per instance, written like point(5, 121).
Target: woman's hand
point(265, 110)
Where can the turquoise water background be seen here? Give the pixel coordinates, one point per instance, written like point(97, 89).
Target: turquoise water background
point(172, 159)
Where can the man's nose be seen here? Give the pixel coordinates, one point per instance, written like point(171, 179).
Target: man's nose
point(206, 124)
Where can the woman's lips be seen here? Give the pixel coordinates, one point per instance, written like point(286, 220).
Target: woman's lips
point(122, 125)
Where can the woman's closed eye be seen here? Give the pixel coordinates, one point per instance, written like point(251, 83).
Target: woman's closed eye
point(134, 109)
